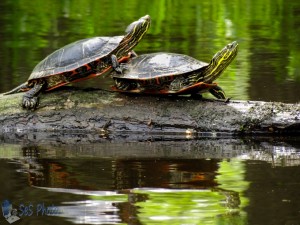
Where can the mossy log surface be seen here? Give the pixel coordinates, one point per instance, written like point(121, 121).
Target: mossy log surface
point(88, 110)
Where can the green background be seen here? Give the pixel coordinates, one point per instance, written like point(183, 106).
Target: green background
point(266, 68)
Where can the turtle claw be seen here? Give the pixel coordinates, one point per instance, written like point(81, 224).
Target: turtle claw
point(115, 64)
point(30, 103)
point(119, 70)
point(227, 100)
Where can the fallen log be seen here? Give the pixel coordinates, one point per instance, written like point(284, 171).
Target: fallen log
point(72, 109)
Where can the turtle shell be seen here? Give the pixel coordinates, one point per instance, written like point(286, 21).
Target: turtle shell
point(159, 65)
point(75, 55)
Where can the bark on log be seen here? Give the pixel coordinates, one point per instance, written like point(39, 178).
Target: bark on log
point(88, 110)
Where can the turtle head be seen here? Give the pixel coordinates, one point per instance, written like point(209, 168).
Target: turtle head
point(220, 61)
point(139, 28)
point(134, 33)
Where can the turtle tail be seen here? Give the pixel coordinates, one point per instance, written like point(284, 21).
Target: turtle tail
point(21, 88)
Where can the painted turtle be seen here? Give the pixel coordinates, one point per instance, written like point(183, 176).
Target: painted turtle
point(81, 60)
point(170, 73)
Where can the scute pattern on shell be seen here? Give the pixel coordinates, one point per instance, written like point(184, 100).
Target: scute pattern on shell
point(159, 65)
point(75, 55)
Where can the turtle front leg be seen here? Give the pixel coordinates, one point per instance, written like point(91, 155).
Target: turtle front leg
point(218, 92)
point(115, 64)
point(30, 99)
point(133, 54)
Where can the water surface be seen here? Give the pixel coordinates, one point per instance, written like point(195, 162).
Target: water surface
point(200, 181)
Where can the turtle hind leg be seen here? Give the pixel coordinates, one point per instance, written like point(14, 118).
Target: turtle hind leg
point(30, 99)
point(125, 85)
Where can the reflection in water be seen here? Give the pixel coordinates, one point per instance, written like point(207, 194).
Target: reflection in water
point(151, 205)
point(198, 182)
point(108, 174)
point(100, 207)
point(141, 190)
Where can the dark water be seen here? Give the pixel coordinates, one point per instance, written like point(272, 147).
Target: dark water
point(89, 179)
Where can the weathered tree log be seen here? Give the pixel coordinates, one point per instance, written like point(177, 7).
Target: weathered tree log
point(77, 110)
